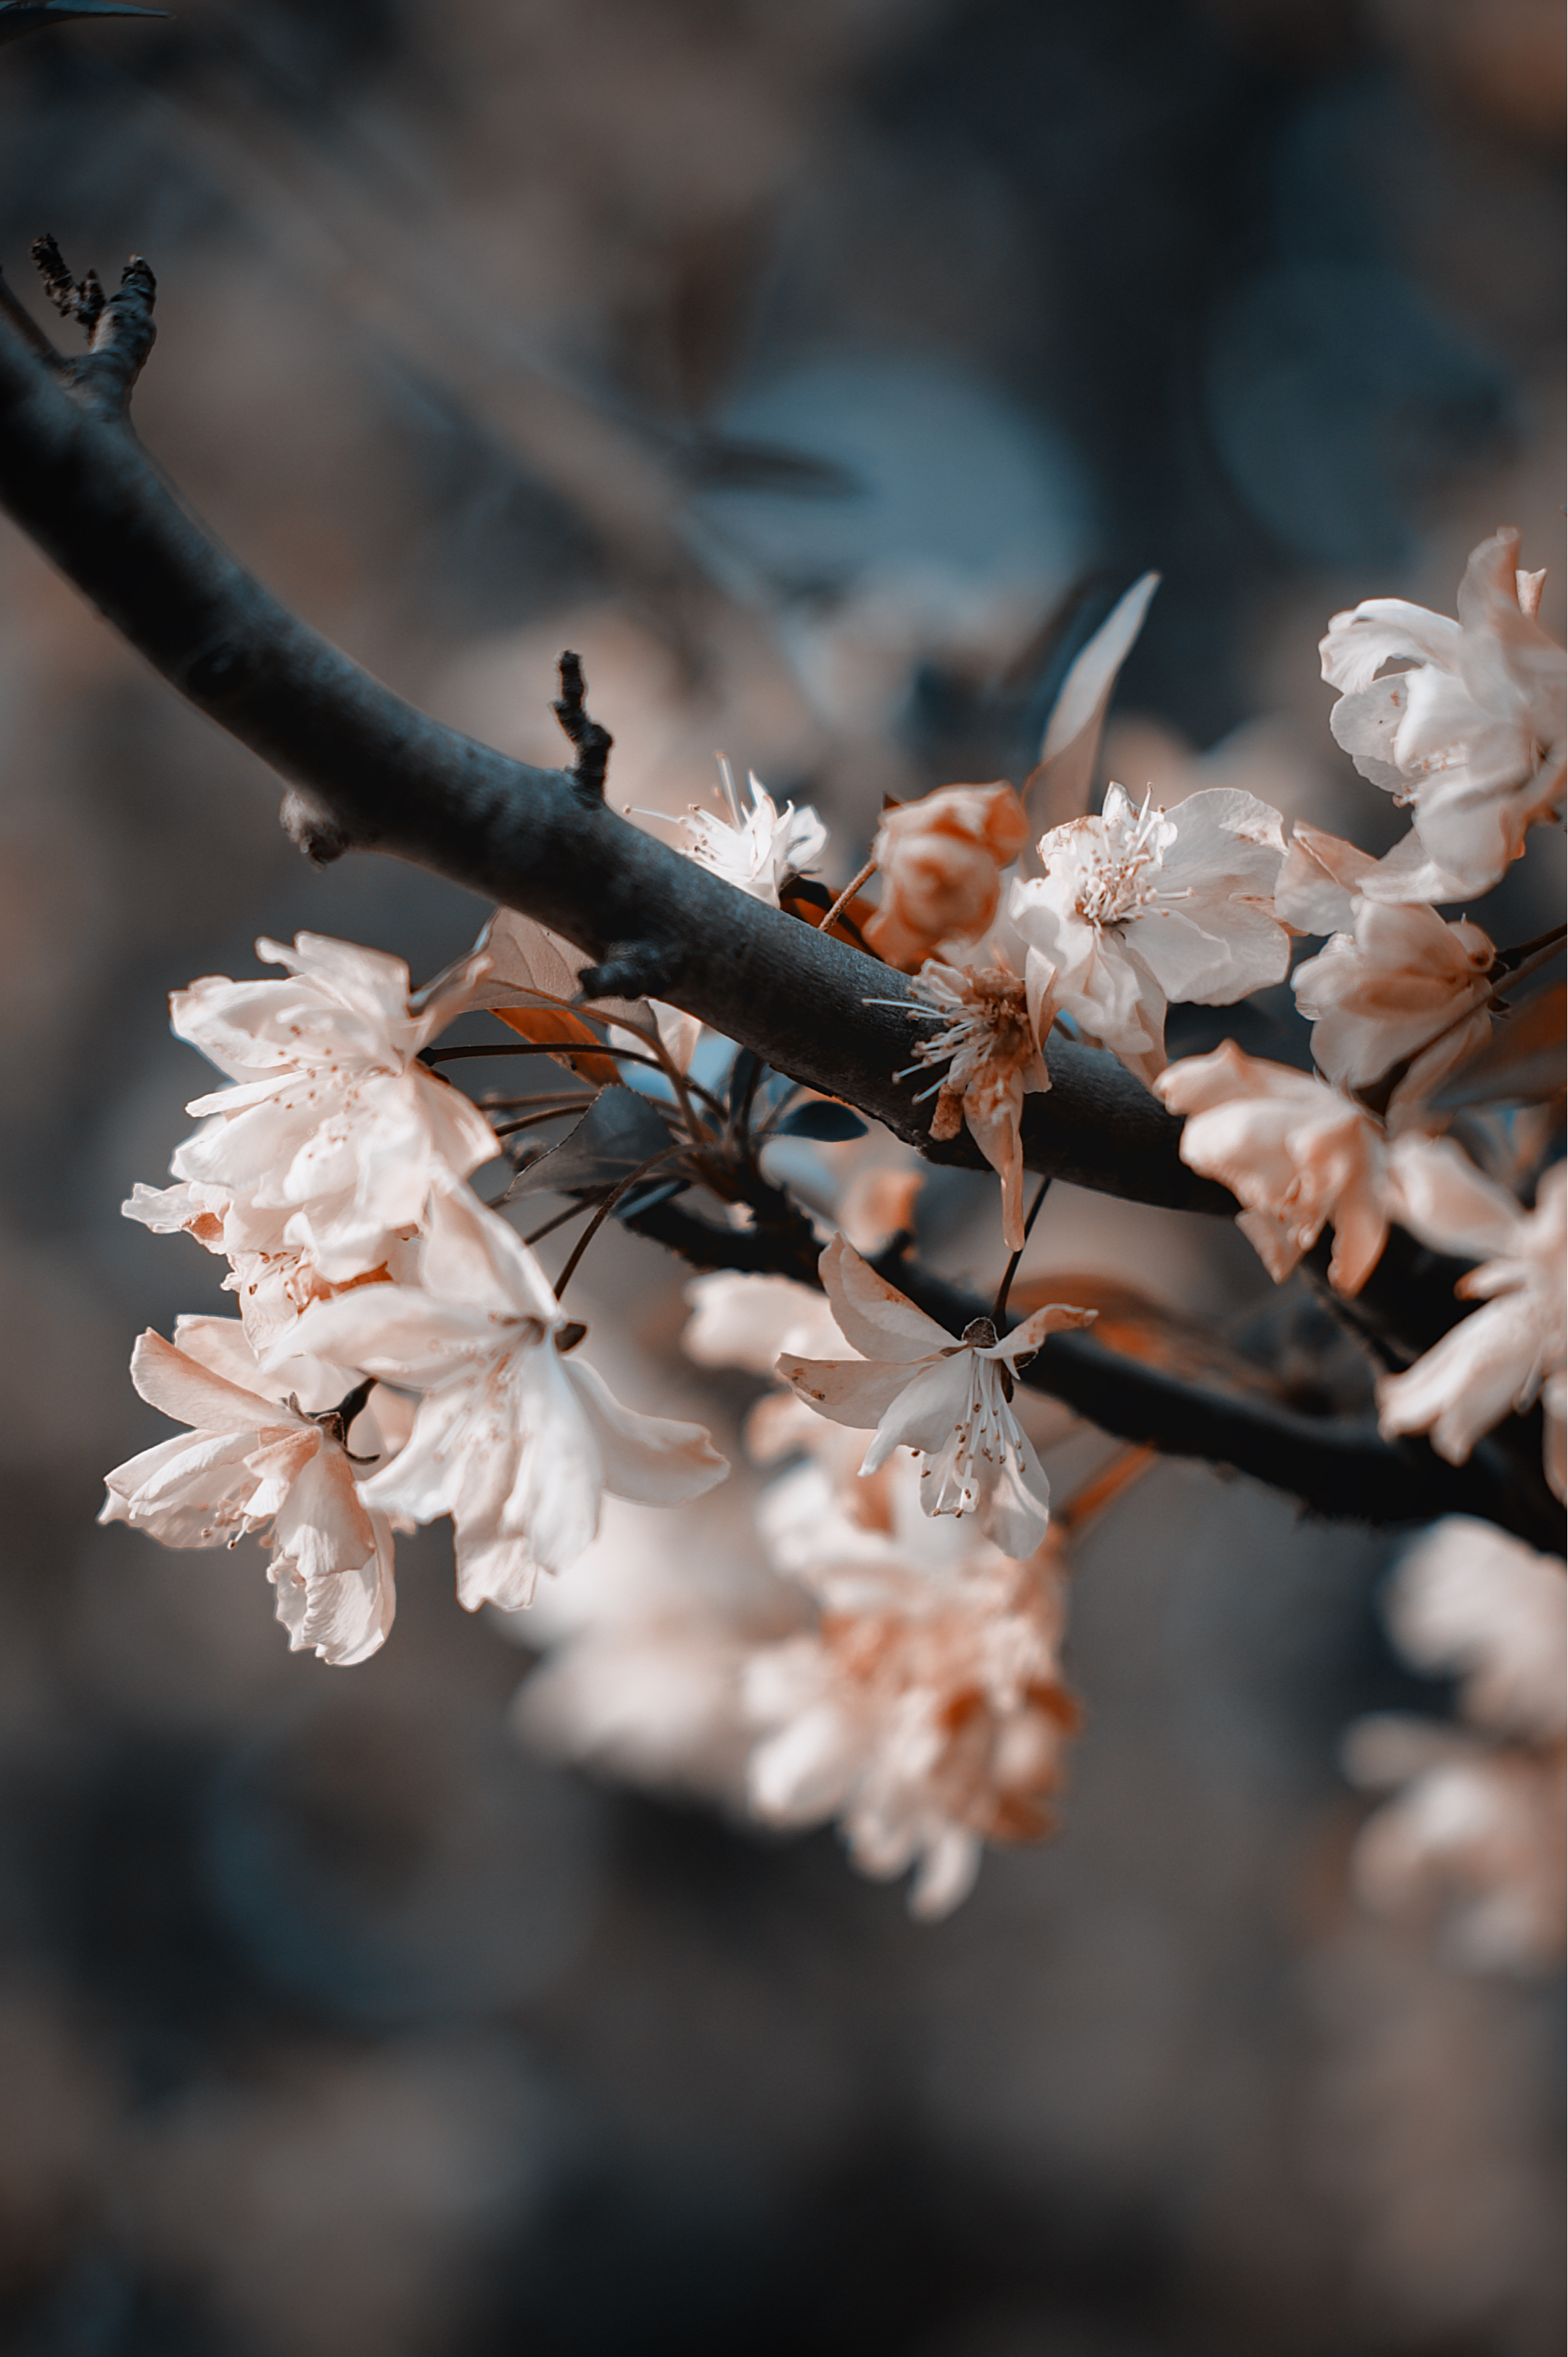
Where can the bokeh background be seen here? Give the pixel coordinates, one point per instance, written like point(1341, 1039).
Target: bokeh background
point(819, 370)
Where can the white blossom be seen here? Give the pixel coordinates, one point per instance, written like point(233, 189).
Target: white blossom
point(1476, 1825)
point(513, 1439)
point(759, 847)
point(255, 1461)
point(1471, 736)
point(947, 1399)
point(336, 1133)
point(1141, 907)
point(1503, 1356)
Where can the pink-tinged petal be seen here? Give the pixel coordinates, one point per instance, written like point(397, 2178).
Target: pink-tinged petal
point(321, 1526)
point(1385, 630)
point(926, 1414)
point(1016, 1503)
point(854, 1392)
point(346, 1617)
point(1320, 881)
point(1278, 1244)
point(1366, 727)
point(1436, 1191)
point(395, 1331)
point(1053, 1317)
point(499, 1571)
point(1211, 953)
point(945, 1874)
point(650, 1460)
point(193, 1394)
point(1411, 871)
point(431, 1475)
point(1224, 834)
point(1485, 1366)
point(873, 1316)
point(472, 1256)
point(807, 1770)
point(372, 983)
point(192, 1492)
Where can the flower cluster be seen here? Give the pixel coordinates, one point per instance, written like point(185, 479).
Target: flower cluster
point(332, 1174)
point(883, 1649)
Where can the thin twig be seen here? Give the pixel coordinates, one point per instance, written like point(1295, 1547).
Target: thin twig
point(847, 896)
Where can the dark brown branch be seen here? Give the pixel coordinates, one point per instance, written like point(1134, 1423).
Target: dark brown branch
point(590, 742)
point(371, 772)
point(1339, 1466)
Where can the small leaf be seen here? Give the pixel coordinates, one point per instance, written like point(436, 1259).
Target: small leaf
point(820, 1118)
point(620, 1132)
point(1058, 788)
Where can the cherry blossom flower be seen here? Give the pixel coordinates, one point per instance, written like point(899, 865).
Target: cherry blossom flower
point(1140, 907)
point(513, 1439)
point(1470, 1599)
point(927, 1712)
point(1476, 1830)
point(992, 1062)
point(1471, 736)
point(1476, 1825)
point(1403, 988)
point(942, 860)
point(336, 1132)
point(1299, 1157)
point(947, 1399)
point(256, 1461)
point(1502, 1356)
point(759, 847)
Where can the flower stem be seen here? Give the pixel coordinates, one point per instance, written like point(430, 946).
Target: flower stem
point(847, 896)
point(1010, 1271)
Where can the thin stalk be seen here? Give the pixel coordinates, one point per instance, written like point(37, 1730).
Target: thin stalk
point(601, 1215)
point(847, 896)
point(1010, 1271)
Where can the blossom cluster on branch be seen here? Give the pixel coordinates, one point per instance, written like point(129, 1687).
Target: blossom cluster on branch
point(400, 1355)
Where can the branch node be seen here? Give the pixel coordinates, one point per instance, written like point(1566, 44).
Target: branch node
point(631, 969)
point(123, 335)
point(311, 829)
point(592, 743)
point(73, 298)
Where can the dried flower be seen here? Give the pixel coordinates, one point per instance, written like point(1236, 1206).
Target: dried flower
point(992, 1062)
point(942, 860)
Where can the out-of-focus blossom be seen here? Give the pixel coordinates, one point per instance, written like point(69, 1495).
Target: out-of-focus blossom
point(336, 1128)
point(1476, 1826)
point(1471, 736)
point(746, 1321)
point(993, 1061)
point(1473, 1601)
point(1402, 987)
point(927, 1712)
point(646, 1645)
point(255, 1461)
point(1474, 1833)
point(1141, 907)
point(1502, 1357)
point(514, 1439)
point(759, 845)
point(879, 1204)
point(942, 860)
point(1299, 1155)
point(947, 1399)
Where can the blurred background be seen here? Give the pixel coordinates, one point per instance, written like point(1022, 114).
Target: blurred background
point(823, 372)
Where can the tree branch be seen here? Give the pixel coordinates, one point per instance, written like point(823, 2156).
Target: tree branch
point(369, 773)
point(1339, 1467)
